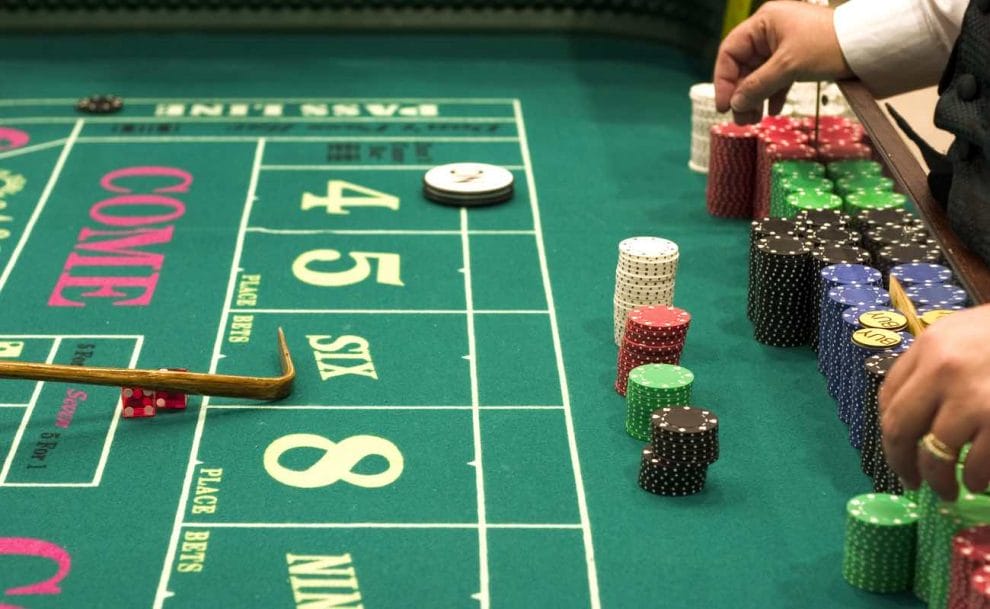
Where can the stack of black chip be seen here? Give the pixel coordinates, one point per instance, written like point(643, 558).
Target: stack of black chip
point(100, 104)
point(891, 216)
point(892, 255)
point(782, 292)
point(827, 236)
point(814, 219)
point(821, 258)
point(879, 237)
point(872, 459)
point(683, 443)
point(762, 229)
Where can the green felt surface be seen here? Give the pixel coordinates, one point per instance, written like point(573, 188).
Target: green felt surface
point(604, 126)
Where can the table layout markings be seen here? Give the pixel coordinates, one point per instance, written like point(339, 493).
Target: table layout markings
point(589, 549)
point(42, 201)
point(16, 442)
point(154, 101)
point(379, 525)
point(29, 149)
point(472, 358)
point(392, 311)
point(345, 231)
point(235, 268)
point(363, 168)
point(370, 407)
point(112, 432)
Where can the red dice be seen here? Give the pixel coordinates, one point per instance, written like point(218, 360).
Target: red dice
point(137, 402)
point(171, 400)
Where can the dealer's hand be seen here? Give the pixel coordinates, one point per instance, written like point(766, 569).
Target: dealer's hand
point(781, 43)
point(941, 385)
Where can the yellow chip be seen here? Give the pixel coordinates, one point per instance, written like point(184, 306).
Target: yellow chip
point(934, 315)
point(875, 338)
point(883, 320)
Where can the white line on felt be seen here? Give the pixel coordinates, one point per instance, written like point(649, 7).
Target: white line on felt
point(163, 592)
point(112, 431)
point(344, 231)
point(479, 470)
point(45, 195)
point(375, 525)
point(388, 311)
point(279, 139)
point(29, 149)
point(71, 101)
point(368, 407)
point(589, 548)
point(26, 418)
point(362, 167)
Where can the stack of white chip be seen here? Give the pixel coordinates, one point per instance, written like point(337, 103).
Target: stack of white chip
point(645, 275)
point(801, 100)
point(703, 116)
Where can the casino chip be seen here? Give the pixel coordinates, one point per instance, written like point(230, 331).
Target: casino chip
point(663, 477)
point(654, 334)
point(782, 293)
point(468, 184)
point(970, 554)
point(918, 273)
point(880, 542)
point(873, 461)
point(731, 170)
point(644, 275)
point(685, 435)
point(100, 104)
point(653, 386)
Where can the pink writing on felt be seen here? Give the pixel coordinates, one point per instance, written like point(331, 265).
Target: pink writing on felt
point(13, 138)
point(23, 546)
point(119, 247)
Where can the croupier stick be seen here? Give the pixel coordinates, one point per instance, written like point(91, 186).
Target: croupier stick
point(226, 385)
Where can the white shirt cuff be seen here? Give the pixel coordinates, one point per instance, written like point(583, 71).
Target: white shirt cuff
point(895, 46)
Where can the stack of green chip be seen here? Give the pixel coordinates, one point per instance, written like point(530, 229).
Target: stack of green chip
point(880, 542)
point(798, 202)
point(927, 502)
point(857, 202)
point(783, 170)
point(654, 386)
point(795, 184)
point(863, 183)
point(969, 510)
point(853, 167)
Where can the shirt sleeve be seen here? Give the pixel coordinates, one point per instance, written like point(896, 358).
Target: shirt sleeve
point(895, 46)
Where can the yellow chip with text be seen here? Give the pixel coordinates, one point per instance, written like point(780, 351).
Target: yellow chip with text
point(883, 320)
point(876, 338)
point(930, 317)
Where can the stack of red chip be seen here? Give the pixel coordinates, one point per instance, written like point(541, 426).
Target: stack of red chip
point(978, 596)
point(731, 167)
point(768, 153)
point(780, 122)
point(654, 334)
point(838, 151)
point(970, 553)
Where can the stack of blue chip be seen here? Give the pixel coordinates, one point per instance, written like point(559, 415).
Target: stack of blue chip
point(938, 296)
point(835, 275)
point(844, 375)
point(855, 383)
point(837, 300)
point(921, 273)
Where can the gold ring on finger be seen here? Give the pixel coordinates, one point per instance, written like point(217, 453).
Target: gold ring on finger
point(939, 449)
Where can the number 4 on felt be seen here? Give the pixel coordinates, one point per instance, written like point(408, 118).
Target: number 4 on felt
point(336, 200)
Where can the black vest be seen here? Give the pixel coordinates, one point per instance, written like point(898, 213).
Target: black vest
point(964, 110)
